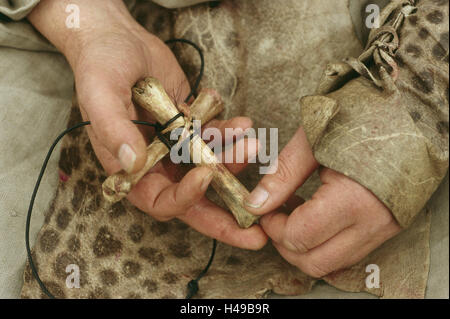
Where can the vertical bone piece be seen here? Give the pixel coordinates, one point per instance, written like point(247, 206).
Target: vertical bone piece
point(147, 95)
point(224, 183)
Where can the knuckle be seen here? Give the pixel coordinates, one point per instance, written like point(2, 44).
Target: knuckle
point(151, 202)
point(385, 219)
point(224, 232)
point(296, 239)
point(104, 130)
point(152, 197)
point(316, 269)
point(320, 204)
point(156, 212)
point(319, 201)
point(257, 245)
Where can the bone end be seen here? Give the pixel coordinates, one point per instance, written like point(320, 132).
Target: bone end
point(114, 190)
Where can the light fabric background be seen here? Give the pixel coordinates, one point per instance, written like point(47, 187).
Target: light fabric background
point(36, 87)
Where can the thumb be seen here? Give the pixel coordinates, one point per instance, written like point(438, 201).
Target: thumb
point(111, 123)
point(293, 166)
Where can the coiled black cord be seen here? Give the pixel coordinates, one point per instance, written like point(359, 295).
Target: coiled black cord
point(192, 286)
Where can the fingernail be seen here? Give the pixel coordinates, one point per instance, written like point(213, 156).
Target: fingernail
point(257, 198)
point(127, 157)
point(206, 180)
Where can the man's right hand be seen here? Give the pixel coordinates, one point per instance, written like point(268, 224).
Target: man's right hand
point(109, 53)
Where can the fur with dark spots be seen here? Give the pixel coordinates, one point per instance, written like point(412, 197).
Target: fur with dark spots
point(99, 293)
point(51, 209)
point(69, 159)
point(48, 241)
point(159, 228)
point(440, 49)
point(170, 278)
point(95, 199)
point(105, 244)
point(423, 33)
point(75, 118)
point(63, 218)
point(54, 289)
point(442, 127)
point(159, 24)
point(108, 277)
point(150, 285)
point(80, 228)
point(440, 2)
point(131, 269)
point(90, 151)
point(180, 250)
point(233, 40)
point(414, 50)
point(93, 189)
point(101, 178)
point(416, 116)
point(28, 274)
point(94, 204)
point(207, 40)
point(400, 59)
point(78, 195)
point(90, 175)
point(233, 261)
point(435, 17)
point(180, 225)
point(117, 210)
point(136, 232)
point(412, 19)
point(424, 82)
point(443, 40)
point(152, 255)
point(73, 244)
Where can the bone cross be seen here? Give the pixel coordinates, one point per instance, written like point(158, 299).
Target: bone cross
point(150, 95)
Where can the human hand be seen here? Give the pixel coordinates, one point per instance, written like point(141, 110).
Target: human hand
point(109, 54)
point(336, 228)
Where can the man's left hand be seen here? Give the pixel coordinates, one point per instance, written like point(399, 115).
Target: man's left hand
point(340, 225)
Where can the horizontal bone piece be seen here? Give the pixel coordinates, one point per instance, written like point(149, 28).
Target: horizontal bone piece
point(206, 106)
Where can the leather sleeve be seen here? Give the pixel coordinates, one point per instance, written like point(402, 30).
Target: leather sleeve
point(382, 118)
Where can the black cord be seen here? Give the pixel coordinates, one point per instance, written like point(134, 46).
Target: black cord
point(202, 64)
point(30, 208)
point(193, 284)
